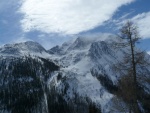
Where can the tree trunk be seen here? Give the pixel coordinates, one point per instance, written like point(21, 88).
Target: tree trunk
point(135, 102)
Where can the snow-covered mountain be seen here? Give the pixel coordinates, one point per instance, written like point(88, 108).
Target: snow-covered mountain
point(24, 48)
point(88, 66)
point(85, 68)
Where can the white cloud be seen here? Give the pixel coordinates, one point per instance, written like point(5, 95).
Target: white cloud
point(67, 16)
point(143, 22)
point(21, 39)
point(148, 52)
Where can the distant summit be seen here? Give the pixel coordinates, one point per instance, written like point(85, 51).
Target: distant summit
point(20, 49)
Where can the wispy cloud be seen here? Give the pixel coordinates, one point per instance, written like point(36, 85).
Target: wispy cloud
point(21, 39)
point(67, 16)
point(143, 22)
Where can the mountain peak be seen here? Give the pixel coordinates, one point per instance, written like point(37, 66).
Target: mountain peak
point(21, 48)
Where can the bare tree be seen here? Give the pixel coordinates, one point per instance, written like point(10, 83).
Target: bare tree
point(128, 67)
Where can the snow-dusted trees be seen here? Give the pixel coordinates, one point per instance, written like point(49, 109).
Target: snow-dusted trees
point(21, 84)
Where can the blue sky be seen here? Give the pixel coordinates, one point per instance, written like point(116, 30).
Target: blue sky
point(52, 22)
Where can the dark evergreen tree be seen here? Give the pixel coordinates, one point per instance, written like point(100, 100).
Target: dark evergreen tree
point(22, 84)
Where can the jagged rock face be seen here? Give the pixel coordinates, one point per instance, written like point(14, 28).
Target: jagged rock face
point(99, 49)
point(55, 50)
point(78, 44)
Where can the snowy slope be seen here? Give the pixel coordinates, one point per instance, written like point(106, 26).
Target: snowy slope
point(79, 59)
point(86, 60)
